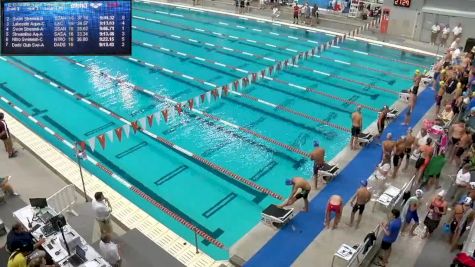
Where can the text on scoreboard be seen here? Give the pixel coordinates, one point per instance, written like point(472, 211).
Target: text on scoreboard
point(66, 28)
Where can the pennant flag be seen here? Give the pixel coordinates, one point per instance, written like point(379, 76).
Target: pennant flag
point(286, 62)
point(214, 92)
point(306, 54)
point(171, 112)
point(263, 73)
point(190, 104)
point(236, 85)
point(278, 66)
point(226, 89)
point(178, 108)
point(249, 78)
point(254, 77)
point(110, 135)
point(333, 42)
point(135, 126)
point(150, 120)
point(271, 68)
point(126, 130)
point(102, 140)
point(241, 81)
point(143, 122)
point(293, 60)
point(197, 101)
point(313, 51)
point(92, 143)
point(220, 91)
point(118, 132)
point(82, 144)
point(157, 117)
point(165, 114)
point(202, 98)
point(208, 96)
point(344, 36)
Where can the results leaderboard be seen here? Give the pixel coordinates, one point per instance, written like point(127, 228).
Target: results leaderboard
point(66, 28)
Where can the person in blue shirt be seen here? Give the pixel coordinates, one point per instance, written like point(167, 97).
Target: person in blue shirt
point(391, 231)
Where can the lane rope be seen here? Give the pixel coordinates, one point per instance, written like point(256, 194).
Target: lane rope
point(116, 177)
point(164, 141)
point(195, 110)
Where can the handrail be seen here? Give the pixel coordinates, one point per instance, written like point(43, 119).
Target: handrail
point(63, 200)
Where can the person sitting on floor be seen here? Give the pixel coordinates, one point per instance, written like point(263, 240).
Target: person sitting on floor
point(6, 187)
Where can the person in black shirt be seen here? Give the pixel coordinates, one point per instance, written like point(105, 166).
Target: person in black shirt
point(20, 238)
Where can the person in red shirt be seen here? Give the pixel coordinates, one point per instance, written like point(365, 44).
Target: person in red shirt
point(296, 14)
point(6, 137)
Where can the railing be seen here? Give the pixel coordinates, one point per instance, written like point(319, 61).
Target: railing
point(63, 200)
point(397, 203)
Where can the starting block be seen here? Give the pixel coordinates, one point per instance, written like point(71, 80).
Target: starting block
point(404, 96)
point(328, 171)
point(365, 138)
point(275, 216)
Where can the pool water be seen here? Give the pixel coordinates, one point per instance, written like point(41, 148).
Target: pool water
point(208, 199)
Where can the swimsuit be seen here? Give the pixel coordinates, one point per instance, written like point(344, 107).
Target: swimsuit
point(396, 159)
point(412, 215)
point(303, 194)
point(355, 131)
point(408, 152)
point(359, 207)
point(455, 140)
point(334, 208)
point(381, 124)
point(316, 168)
point(459, 151)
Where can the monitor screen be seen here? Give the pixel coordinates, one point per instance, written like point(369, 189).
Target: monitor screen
point(66, 27)
point(38, 203)
point(58, 222)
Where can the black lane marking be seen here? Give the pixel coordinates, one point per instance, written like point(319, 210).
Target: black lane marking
point(15, 95)
point(131, 150)
point(264, 170)
point(211, 151)
point(219, 205)
point(215, 234)
point(99, 129)
point(37, 112)
point(167, 177)
point(175, 96)
point(144, 109)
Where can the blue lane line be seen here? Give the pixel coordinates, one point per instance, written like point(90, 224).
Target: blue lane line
point(287, 245)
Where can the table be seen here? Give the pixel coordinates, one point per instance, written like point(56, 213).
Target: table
point(53, 246)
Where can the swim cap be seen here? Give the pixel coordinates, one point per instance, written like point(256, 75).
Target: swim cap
point(419, 193)
point(442, 83)
point(289, 182)
point(441, 193)
point(364, 183)
point(316, 143)
point(467, 201)
point(417, 71)
point(472, 185)
point(443, 71)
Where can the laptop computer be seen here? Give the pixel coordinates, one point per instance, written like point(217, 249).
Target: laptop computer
point(78, 258)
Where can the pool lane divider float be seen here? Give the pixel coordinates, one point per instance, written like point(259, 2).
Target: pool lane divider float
point(119, 179)
point(216, 34)
point(372, 23)
point(229, 50)
point(293, 85)
point(137, 128)
point(240, 27)
point(196, 102)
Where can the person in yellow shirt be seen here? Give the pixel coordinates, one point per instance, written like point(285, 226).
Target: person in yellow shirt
point(18, 258)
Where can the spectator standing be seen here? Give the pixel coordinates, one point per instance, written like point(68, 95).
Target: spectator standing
point(457, 30)
point(437, 208)
point(462, 218)
point(391, 231)
point(444, 36)
point(110, 251)
point(6, 137)
point(362, 196)
point(455, 44)
point(102, 209)
point(435, 32)
point(308, 9)
point(296, 13)
point(410, 212)
point(314, 15)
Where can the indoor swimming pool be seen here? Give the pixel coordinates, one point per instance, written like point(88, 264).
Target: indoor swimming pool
point(213, 175)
